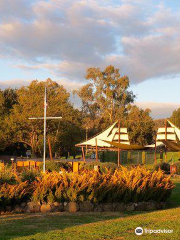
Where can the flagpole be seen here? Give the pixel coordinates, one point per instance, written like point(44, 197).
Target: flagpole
point(45, 106)
point(45, 118)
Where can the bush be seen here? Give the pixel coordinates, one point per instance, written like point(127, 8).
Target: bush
point(178, 167)
point(123, 185)
point(30, 175)
point(12, 194)
point(12, 189)
point(56, 166)
point(104, 167)
point(7, 175)
point(163, 166)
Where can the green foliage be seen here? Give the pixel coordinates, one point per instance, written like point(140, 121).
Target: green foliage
point(10, 98)
point(175, 118)
point(121, 185)
point(30, 175)
point(178, 167)
point(108, 156)
point(12, 189)
point(29, 102)
point(12, 194)
point(7, 175)
point(141, 127)
point(57, 166)
point(163, 166)
point(104, 167)
point(105, 98)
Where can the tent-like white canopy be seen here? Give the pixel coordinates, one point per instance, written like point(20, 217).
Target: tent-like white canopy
point(111, 134)
point(170, 136)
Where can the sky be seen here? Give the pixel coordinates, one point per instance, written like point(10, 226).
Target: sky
point(60, 39)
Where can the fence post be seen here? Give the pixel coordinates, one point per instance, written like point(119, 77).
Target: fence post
point(143, 157)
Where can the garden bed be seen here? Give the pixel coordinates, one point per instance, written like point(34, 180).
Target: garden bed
point(88, 190)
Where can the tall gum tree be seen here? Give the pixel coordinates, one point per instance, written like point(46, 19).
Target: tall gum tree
point(106, 98)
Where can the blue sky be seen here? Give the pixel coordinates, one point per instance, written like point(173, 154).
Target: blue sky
point(60, 39)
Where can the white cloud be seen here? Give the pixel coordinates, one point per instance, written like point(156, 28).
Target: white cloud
point(19, 9)
point(66, 37)
point(17, 83)
point(158, 109)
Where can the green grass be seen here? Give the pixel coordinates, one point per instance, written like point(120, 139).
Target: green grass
point(96, 226)
point(174, 200)
point(79, 226)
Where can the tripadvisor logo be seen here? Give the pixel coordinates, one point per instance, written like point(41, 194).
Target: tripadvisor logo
point(138, 231)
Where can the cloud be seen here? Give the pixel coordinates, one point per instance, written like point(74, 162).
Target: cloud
point(159, 110)
point(16, 9)
point(17, 83)
point(142, 37)
point(70, 86)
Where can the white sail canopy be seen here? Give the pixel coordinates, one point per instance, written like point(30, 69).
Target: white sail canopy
point(170, 136)
point(110, 134)
point(170, 133)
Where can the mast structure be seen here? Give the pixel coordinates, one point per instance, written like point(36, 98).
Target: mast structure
point(45, 110)
point(45, 118)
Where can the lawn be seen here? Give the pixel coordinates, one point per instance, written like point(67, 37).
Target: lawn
point(94, 226)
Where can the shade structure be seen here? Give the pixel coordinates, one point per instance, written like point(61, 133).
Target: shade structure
point(170, 137)
point(111, 134)
point(126, 146)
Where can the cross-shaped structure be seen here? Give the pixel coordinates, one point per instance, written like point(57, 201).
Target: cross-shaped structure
point(44, 118)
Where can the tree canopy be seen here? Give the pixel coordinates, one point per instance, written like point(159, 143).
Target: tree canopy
point(30, 101)
point(107, 98)
point(175, 117)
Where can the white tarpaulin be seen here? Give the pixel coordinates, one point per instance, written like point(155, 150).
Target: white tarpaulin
point(110, 134)
point(170, 136)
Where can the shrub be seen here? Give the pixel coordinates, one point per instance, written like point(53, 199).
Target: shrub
point(178, 167)
point(104, 167)
point(163, 166)
point(137, 184)
point(12, 189)
point(122, 185)
point(12, 194)
point(30, 175)
point(56, 166)
point(7, 175)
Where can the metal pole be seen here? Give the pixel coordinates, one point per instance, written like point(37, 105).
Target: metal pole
point(155, 152)
point(165, 140)
point(119, 142)
point(50, 151)
point(96, 151)
point(44, 157)
point(86, 138)
point(83, 155)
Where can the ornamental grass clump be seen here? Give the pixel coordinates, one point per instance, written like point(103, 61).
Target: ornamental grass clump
point(123, 185)
point(139, 184)
point(12, 194)
point(12, 189)
point(7, 175)
point(30, 175)
point(134, 185)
